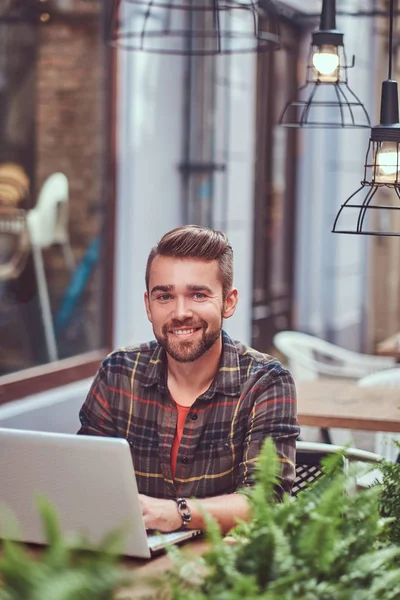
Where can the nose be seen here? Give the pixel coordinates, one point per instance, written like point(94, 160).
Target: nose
point(182, 309)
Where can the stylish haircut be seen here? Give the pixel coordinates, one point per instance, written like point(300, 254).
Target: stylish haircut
point(193, 241)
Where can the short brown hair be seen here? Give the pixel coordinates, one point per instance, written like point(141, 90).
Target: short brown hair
point(193, 241)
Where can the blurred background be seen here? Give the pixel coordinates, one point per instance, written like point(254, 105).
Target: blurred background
point(104, 149)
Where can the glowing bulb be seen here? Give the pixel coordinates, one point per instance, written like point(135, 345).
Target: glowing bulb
point(326, 63)
point(388, 165)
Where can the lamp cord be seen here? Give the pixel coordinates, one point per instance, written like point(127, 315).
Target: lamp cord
point(391, 38)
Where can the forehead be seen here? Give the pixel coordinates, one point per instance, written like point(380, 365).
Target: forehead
point(167, 270)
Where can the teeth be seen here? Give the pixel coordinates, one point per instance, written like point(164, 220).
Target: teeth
point(182, 331)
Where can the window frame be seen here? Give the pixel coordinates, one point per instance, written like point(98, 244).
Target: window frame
point(41, 378)
point(267, 305)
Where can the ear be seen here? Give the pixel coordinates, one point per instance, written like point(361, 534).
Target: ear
point(230, 303)
point(147, 305)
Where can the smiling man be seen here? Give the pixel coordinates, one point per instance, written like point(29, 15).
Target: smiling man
point(194, 405)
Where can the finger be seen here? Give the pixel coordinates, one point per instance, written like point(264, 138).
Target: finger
point(148, 523)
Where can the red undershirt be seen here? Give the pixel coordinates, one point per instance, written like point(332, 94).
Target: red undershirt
point(182, 414)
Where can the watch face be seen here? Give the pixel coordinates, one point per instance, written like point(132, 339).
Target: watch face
point(184, 511)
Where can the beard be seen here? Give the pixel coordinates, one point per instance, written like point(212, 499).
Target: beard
point(188, 350)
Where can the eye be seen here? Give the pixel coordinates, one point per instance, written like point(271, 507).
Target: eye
point(164, 297)
point(199, 295)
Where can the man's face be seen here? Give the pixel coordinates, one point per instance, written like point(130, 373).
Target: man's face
point(185, 305)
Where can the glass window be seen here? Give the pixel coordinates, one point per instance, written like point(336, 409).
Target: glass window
point(54, 160)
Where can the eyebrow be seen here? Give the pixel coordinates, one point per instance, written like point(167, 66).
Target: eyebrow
point(162, 288)
point(190, 287)
point(199, 288)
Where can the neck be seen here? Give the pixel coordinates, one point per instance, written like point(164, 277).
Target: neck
point(199, 374)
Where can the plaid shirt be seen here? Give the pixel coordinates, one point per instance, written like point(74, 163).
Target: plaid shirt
point(251, 397)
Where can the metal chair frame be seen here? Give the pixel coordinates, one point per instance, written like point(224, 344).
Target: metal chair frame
point(310, 454)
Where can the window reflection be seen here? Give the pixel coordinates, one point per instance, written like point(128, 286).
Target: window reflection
point(52, 136)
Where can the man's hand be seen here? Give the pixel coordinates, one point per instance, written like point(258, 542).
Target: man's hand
point(162, 515)
point(159, 514)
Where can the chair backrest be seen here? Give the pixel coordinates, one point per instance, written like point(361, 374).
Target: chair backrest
point(310, 454)
point(48, 221)
point(310, 357)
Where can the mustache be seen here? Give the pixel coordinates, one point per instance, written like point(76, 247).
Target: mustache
point(176, 324)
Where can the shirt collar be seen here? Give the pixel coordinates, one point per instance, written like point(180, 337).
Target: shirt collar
point(226, 381)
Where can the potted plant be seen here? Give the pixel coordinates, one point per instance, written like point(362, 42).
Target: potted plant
point(326, 544)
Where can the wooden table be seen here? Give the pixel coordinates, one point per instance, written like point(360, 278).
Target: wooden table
point(145, 569)
point(329, 403)
point(162, 562)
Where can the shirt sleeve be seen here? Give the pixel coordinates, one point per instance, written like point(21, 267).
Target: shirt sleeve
point(273, 414)
point(96, 413)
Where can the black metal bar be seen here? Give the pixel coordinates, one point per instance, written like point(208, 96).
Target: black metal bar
point(380, 207)
point(391, 19)
point(326, 436)
point(357, 103)
point(366, 205)
point(389, 103)
point(328, 15)
point(373, 233)
point(199, 167)
point(336, 87)
point(146, 18)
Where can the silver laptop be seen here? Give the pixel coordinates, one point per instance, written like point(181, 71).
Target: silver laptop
point(89, 480)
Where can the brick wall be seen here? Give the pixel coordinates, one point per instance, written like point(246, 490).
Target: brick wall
point(70, 137)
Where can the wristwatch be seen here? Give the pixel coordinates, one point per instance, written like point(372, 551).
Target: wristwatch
point(184, 511)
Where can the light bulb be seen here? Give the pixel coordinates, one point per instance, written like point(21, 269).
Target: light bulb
point(326, 63)
point(387, 163)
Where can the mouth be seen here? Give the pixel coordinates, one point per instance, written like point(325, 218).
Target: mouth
point(184, 332)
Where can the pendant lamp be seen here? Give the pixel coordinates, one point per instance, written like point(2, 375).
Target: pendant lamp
point(326, 100)
point(381, 168)
point(194, 27)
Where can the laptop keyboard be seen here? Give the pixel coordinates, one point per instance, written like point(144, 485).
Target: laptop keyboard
point(156, 538)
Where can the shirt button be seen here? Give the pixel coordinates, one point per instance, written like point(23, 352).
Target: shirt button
point(193, 416)
point(185, 460)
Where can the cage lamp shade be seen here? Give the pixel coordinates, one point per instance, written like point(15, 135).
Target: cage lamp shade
point(326, 100)
point(193, 27)
point(358, 215)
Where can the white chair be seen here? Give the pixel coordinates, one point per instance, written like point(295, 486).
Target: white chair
point(311, 358)
point(384, 441)
point(48, 226)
